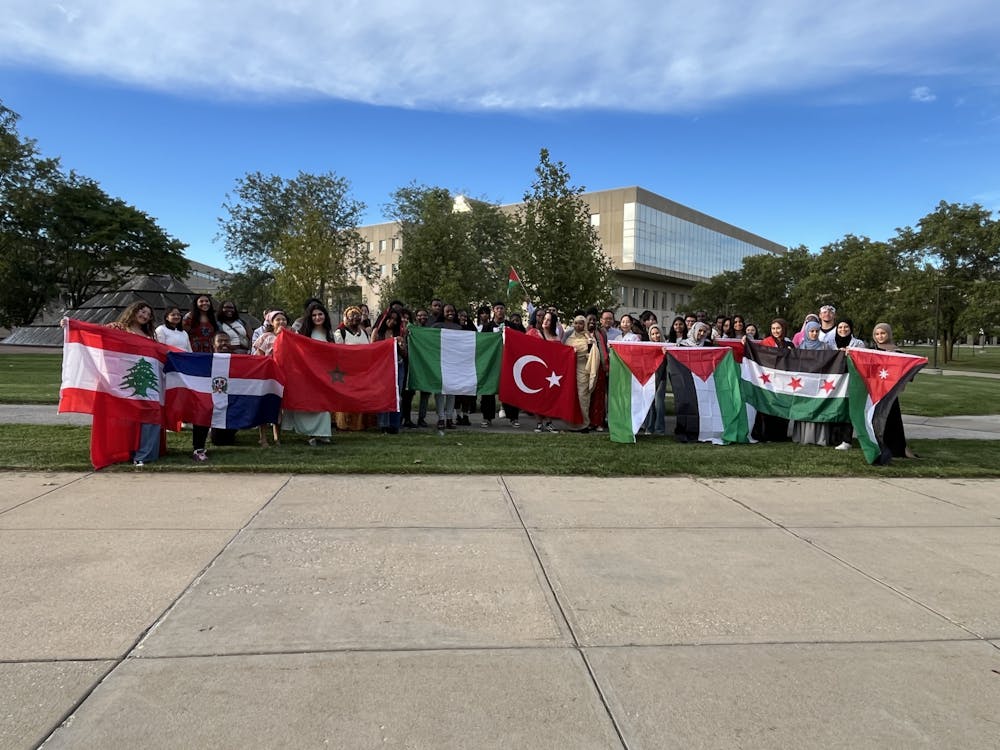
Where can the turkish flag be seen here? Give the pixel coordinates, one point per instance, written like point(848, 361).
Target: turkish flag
point(539, 376)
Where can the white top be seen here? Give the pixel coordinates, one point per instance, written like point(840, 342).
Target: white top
point(173, 337)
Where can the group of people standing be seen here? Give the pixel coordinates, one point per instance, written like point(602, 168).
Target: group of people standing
point(202, 328)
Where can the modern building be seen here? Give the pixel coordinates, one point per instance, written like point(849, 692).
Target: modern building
point(659, 249)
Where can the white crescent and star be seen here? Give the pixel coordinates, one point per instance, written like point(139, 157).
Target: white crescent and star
point(522, 362)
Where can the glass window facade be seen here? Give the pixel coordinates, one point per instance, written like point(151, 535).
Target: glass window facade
point(667, 242)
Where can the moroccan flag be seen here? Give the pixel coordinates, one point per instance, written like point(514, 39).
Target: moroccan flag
point(802, 384)
point(539, 376)
point(631, 386)
point(707, 394)
point(231, 391)
point(117, 377)
point(513, 280)
point(458, 363)
point(336, 377)
point(876, 380)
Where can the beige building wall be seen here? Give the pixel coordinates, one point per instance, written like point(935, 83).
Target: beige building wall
point(659, 249)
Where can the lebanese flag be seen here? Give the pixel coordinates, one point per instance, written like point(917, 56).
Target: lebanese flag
point(802, 384)
point(631, 386)
point(539, 376)
point(876, 380)
point(230, 391)
point(707, 396)
point(319, 376)
point(117, 377)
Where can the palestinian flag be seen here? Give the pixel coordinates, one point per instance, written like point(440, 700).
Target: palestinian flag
point(631, 386)
point(458, 363)
point(707, 395)
point(803, 384)
point(876, 380)
point(513, 280)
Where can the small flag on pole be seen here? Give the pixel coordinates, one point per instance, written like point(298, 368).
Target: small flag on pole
point(513, 280)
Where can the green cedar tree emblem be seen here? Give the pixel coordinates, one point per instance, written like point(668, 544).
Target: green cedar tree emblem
point(141, 378)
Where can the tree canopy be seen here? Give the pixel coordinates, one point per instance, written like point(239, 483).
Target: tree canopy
point(62, 234)
point(299, 233)
point(556, 249)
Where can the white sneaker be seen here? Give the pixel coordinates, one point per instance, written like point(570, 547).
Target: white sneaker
point(501, 414)
point(845, 446)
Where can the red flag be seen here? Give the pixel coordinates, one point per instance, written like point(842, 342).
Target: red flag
point(117, 377)
point(337, 377)
point(539, 376)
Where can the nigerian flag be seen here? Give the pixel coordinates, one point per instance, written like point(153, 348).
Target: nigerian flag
point(459, 363)
point(631, 386)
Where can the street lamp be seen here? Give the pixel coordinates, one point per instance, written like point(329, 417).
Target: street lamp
point(937, 317)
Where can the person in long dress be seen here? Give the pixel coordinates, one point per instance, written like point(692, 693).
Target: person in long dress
point(316, 425)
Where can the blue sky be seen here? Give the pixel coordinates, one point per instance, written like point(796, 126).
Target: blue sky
point(800, 124)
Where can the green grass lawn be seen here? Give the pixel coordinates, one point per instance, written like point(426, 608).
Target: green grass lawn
point(30, 378)
point(49, 448)
point(968, 358)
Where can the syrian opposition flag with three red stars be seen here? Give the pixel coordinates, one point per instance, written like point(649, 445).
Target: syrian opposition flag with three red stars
point(631, 386)
point(804, 384)
point(539, 376)
point(319, 376)
point(707, 394)
point(231, 391)
point(876, 380)
point(117, 377)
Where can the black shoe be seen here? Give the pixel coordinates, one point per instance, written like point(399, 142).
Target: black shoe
point(392, 430)
point(421, 423)
point(440, 424)
point(448, 425)
point(408, 424)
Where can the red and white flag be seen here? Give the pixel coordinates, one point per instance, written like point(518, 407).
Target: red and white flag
point(118, 378)
point(539, 376)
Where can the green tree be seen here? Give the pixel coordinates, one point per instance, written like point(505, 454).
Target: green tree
point(141, 378)
point(455, 251)
point(254, 288)
point(97, 242)
point(28, 278)
point(300, 232)
point(763, 288)
point(860, 277)
point(557, 251)
point(958, 246)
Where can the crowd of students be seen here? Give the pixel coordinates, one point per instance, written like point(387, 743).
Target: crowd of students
point(588, 332)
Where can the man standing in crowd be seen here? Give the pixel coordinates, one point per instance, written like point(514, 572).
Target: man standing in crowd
point(828, 324)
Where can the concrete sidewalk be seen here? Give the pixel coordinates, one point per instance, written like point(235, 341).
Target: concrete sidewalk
point(525, 612)
point(969, 428)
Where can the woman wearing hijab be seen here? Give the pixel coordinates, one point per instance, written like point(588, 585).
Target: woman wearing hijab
point(801, 334)
point(587, 361)
point(894, 436)
point(655, 422)
point(812, 433)
point(844, 338)
point(698, 335)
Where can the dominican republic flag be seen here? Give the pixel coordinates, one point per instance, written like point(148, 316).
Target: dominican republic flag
point(231, 391)
point(631, 386)
point(708, 396)
point(456, 363)
point(539, 376)
point(117, 377)
point(803, 384)
point(876, 380)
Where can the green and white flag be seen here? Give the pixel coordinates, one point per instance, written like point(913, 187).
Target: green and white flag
point(459, 363)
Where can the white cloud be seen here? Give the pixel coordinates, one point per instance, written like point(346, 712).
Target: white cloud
point(666, 55)
point(922, 94)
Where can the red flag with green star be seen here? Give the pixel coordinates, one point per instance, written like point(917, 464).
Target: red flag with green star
point(319, 376)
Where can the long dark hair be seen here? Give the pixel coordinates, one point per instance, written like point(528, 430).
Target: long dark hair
point(673, 337)
point(196, 313)
point(383, 325)
point(307, 322)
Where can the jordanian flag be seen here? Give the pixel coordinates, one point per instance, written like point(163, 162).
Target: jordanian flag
point(707, 395)
point(458, 363)
point(876, 380)
point(631, 386)
point(802, 384)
